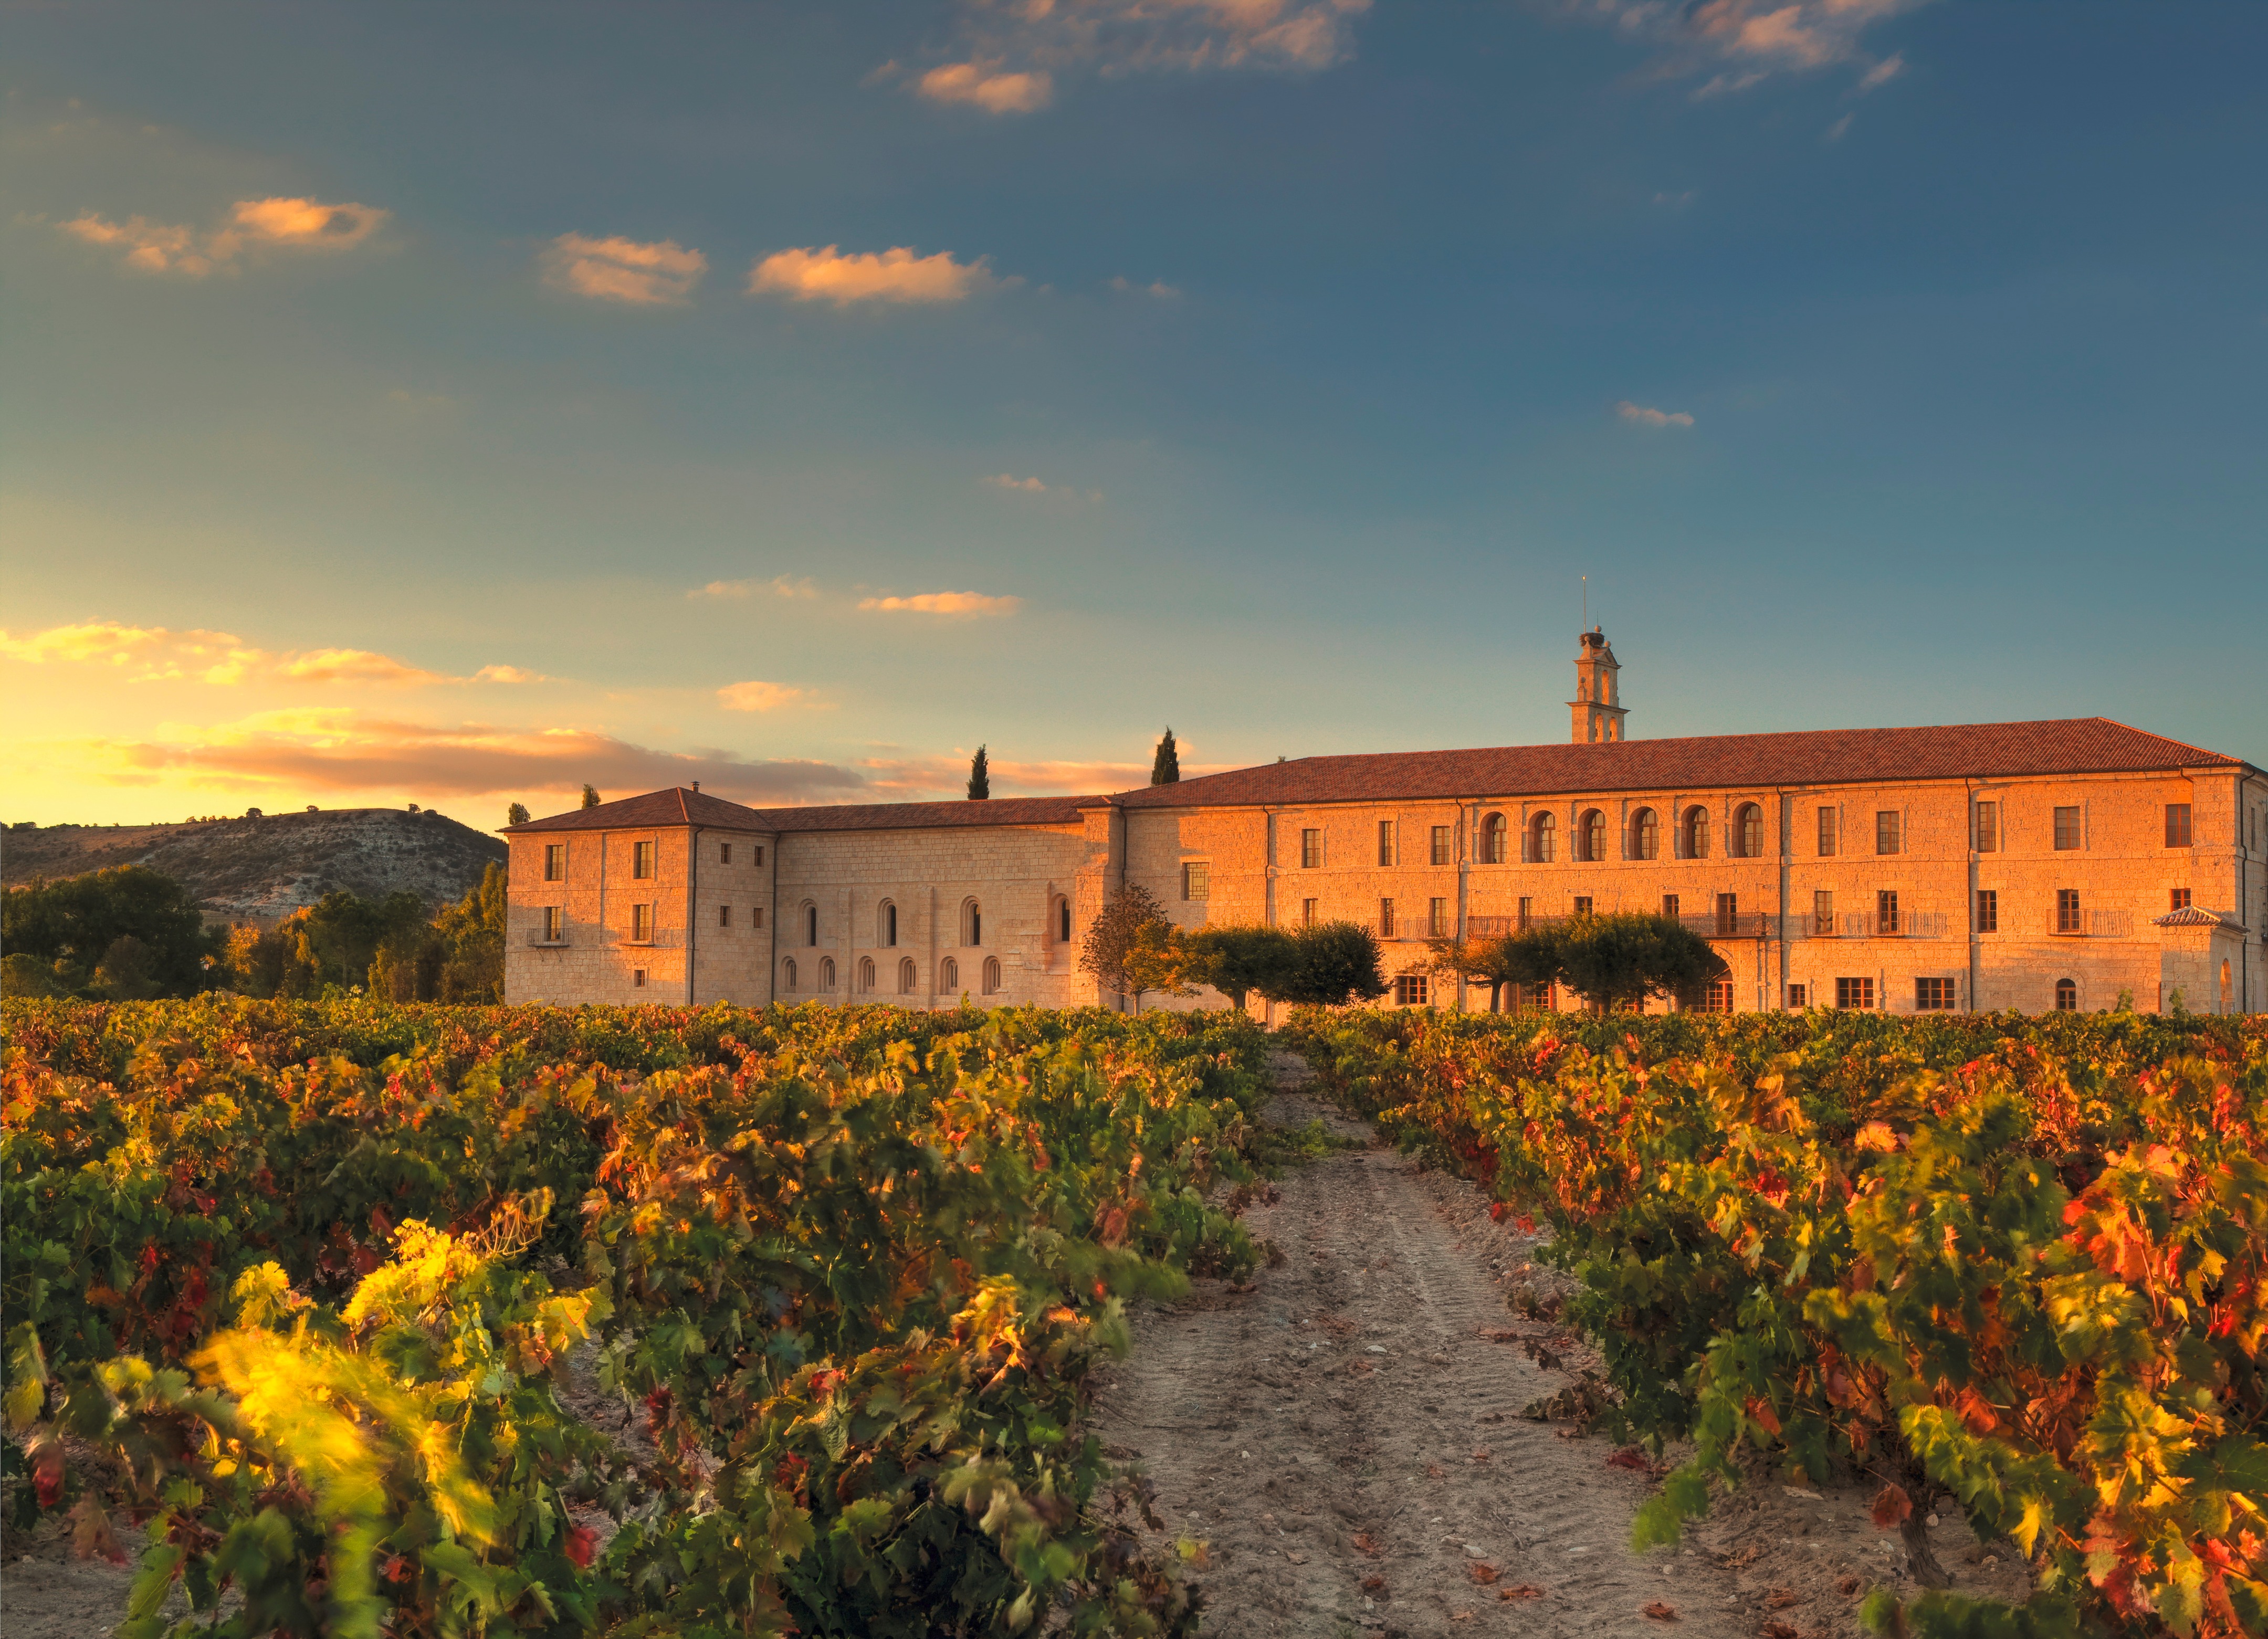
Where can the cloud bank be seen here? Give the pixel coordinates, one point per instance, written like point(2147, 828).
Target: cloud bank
point(896, 276)
point(960, 602)
point(153, 654)
point(754, 696)
point(1742, 42)
point(253, 225)
point(984, 85)
point(662, 274)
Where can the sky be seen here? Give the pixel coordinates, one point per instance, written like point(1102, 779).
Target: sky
point(458, 404)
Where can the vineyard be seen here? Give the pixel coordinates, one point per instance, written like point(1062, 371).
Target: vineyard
point(291, 1292)
point(2017, 1261)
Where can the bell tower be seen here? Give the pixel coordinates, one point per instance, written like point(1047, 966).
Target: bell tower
point(1598, 705)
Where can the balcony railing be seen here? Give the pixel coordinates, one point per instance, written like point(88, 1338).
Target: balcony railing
point(2091, 924)
point(537, 937)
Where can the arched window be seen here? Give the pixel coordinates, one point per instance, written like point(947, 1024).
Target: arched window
point(949, 976)
point(2066, 996)
point(1748, 832)
point(906, 975)
point(1591, 838)
point(991, 975)
point(1492, 841)
point(1645, 835)
point(865, 975)
point(1063, 920)
point(787, 974)
point(886, 924)
point(1543, 838)
point(811, 924)
point(972, 922)
point(827, 974)
point(1696, 833)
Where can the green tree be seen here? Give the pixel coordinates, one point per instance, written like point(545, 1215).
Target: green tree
point(1530, 957)
point(1333, 963)
point(469, 943)
point(1623, 958)
point(980, 778)
point(1162, 961)
point(1165, 767)
point(76, 925)
point(1236, 960)
point(28, 976)
point(344, 932)
point(589, 796)
point(1113, 938)
point(516, 814)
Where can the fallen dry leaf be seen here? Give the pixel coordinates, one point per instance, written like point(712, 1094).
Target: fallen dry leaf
point(1297, 1559)
point(1777, 1630)
point(1661, 1612)
point(1521, 1591)
point(1742, 1556)
point(1433, 1471)
point(1480, 1456)
point(1482, 1572)
point(1461, 1616)
point(1630, 1456)
point(1374, 1586)
point(1367, 1543)
point(1499, 1334)
point(1781, 1599)
point(1848, 1587)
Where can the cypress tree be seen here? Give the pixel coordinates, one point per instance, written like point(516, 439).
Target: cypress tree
point(1166, 769)
point(980, 778)
point(516, 814)
point(589, 797)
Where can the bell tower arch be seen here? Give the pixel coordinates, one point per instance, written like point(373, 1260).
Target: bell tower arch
point(1597, 707)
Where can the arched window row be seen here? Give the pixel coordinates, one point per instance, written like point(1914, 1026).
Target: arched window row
point(971, 931)
point(822, 977)
point(1592, 837)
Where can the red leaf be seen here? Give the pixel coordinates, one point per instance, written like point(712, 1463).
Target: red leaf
point(1661, 1612)
point(1520, 1591)
point(1482, 1572)
point(1892, 1506)
point(581, 1546)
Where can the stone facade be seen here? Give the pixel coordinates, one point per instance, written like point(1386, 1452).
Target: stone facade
point(1902, 870)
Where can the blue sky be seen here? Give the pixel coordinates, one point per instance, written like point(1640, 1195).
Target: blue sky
point(389, 383)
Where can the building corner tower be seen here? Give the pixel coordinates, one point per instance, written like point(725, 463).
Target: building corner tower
point(1598, 705)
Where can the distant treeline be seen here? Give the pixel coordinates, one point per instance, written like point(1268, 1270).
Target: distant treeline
point(133, 934)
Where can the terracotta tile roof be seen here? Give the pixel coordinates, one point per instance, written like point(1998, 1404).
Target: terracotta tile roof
point(1820, 756)
point(2197, 917)
point(679, 806)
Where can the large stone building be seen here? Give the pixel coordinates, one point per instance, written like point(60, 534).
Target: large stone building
point(2029, 866)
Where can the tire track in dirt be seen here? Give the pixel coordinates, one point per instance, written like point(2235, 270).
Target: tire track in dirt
point(1349, 1444)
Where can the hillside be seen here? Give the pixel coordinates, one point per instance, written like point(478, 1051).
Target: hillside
point(269, 867)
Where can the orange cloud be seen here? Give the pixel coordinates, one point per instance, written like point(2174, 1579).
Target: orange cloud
point(895, 276)
point(153, 654)
point(1646, 415)
point(1028, 485)
point(1754, 39)
point(253, 223)
point(754, 696)
point(779, 586)
point(983, 85)
point(306, 223)
point(658, 274)
point(943, 603)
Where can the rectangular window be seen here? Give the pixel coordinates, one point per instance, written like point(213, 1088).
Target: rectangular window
point(637, 977)
point(1410, 989)
point(2181, 897)
point(2177, 825)
point(1887, 829)
point(1386, 919)
point(1799, 997)
point(1854, 993)
point(554, 862)
point(2068, 910)
point(1886, 911)
point(1933, 996)
point(724, 853)
point(1389, 850)
point(1306, 913)
point(2067, 828)
point(1830, 832)
point(1988, 910)
point(641, 924)
point(723, 915)
point(1720, 998)
point(1437, 918)
point(1669, 906)
point(1196, 879)
point(642, 860)
point(1527, 909)
point(1728, 914)
point(1822, 912)
point(554, 924)
point(1311, 849)
point(1582, 904)
point(1988, 828)
point(760, 855)
point(756, 917)
point(1443, 845)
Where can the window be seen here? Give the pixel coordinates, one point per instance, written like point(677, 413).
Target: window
point(787, 974)
point(1196, 879)
point(1535, 997)
point(756, 916)
point(1437, 918)
point(1854, 993)
point(827, 974)
point(723, 915)
point(1306, 913)
point(1988, 910)
point(724, 853)
point(865, 975)
point(1694, 834)
point(1988, 828)
point(811, 924)
point(1591, 837)
point(1822, 912)
point(1669, 906)
point(1645, 835)
point(641, 924)
point(2068, 910)
point(1888, 832)
point(1442, 842)
point(1720, 997)
point(637, 977)
point(1886, 911)
point(1933, 996)
point(1388, 851)
point(554, 924)
point(886, 924)
point(2181, 900)
point(2177, 825)
point(2066, 994)
point(1527, 908)
point(759, 856)
point(1543, 838)
point(1799, 997)
point(1385, 919)
point(991, 975)
point(972, 922)
point(1728, 914)
point(906, 975)
point(1830, 832)
point(1748, 832)
point(1582, 904)
point(641, 860)
point(1410, 989)
point(949, 976)
point(554, 862)
point(1063, 920)
point(2067, 828)
point(1311, 848)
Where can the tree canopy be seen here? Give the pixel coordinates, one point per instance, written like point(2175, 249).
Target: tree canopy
point(1530, 957)
point(516, 814)
point(1332, 963)
point(1623, 958)
point(128, 933)
point(1165, 767)
point(1112, 950)
point(589, 796)
point(1237, 960)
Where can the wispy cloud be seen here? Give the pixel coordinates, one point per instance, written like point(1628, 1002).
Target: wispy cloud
point(253, 225)
point(957, 603)
point(153, 654)
point(1840, 129)
point(987, 86)
point(1741, 43)
point(662, 274)
point(1157, 288)
point(1882, 73)
point(1026, 486)
point(894, 276)
point(777, 586)
point(754, 696)
point(1646, 415)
